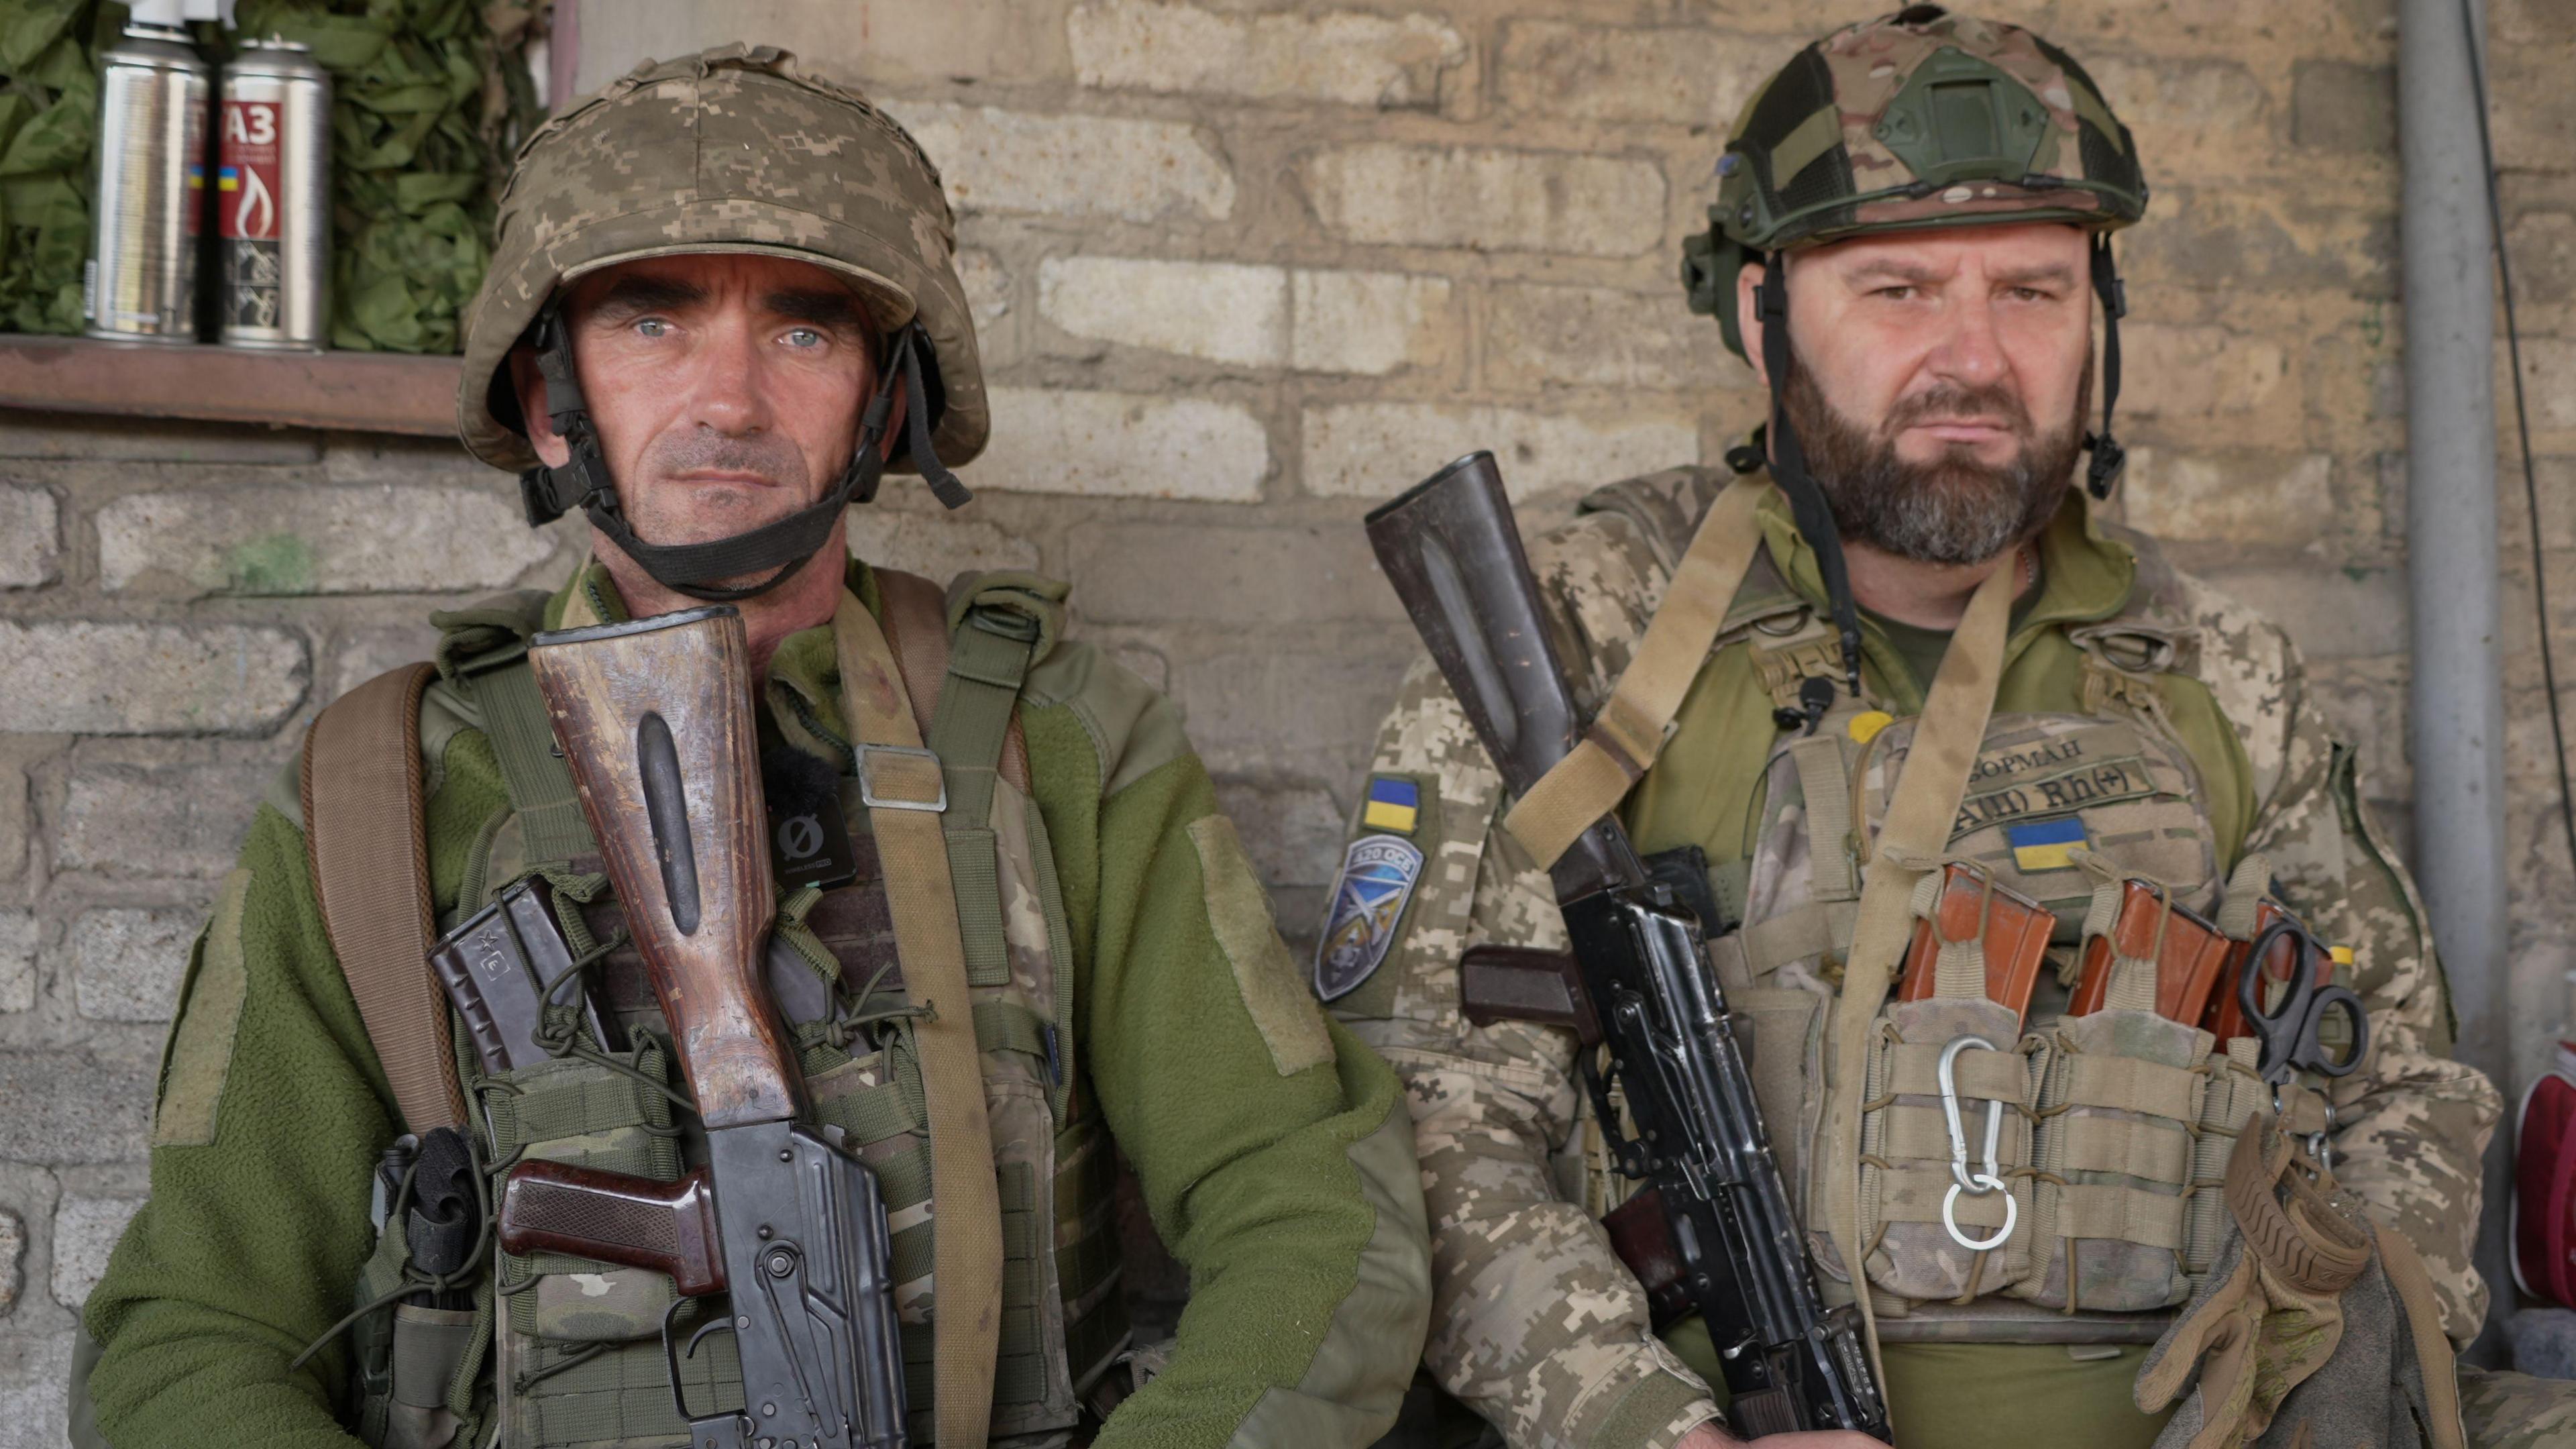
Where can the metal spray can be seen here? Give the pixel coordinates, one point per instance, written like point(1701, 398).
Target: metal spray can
point(273, 199)
point(141, 283)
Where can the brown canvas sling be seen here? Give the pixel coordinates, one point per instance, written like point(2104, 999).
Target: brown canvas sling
point(906, 792)
point(366, 837)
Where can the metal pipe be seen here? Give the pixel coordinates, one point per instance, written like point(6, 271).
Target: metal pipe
point(2455, 705)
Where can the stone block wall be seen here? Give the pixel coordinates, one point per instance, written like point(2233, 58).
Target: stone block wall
point(1241, 269)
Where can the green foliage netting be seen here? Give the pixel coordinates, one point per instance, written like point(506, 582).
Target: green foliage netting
point(48, 118)
point(428, 98)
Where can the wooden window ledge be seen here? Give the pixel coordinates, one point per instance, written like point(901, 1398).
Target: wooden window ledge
point(365, 392)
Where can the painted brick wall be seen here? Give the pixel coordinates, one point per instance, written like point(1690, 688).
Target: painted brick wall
point(1242, 269)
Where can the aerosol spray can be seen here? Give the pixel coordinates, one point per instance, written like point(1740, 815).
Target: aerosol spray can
point(273, 199)
point(141, 284)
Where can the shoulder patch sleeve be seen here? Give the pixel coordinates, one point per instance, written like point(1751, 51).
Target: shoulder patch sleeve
point(1535, 1323)
point(1239, 913)
point(200, 1054)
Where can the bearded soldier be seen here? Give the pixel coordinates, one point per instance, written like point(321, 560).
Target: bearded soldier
point(2026, 1192)
point(722, 302)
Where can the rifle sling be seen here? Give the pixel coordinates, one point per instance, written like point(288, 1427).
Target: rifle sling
point(362, 773)
point(912, 846)
point(1915, 832)
point(1629, 731)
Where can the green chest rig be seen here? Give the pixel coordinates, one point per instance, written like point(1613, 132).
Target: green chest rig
point(563, 1351)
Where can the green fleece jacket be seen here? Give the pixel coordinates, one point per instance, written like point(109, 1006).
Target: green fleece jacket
point(1273, 1152)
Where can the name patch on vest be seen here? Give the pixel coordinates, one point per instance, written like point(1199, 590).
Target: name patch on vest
point(2017, 779)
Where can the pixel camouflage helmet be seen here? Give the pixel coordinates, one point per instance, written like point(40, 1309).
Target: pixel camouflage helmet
point(730, 150)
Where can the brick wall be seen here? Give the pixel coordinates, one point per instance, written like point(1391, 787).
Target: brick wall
point(1240, 270)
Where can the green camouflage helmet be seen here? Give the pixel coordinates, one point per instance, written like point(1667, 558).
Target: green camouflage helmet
point(1917, 119)
point(729, 150)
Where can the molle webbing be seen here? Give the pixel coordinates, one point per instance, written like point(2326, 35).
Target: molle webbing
point(988, 657)
point(539, 782)
point(361, 775)
point(915, 613)
point(969, 712)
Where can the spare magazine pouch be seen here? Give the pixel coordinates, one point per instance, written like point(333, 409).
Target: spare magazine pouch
point(1944, 1215)
point(2119, 1107)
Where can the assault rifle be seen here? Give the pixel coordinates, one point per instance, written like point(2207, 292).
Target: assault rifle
point(655, 719)
point(1639, 983)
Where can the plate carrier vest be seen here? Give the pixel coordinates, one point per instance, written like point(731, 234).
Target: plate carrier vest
point(2115, 1126)
point(572, 1345)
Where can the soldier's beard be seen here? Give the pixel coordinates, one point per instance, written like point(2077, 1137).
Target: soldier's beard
point(1953, 509)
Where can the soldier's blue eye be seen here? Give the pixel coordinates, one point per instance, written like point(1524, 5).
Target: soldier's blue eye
point(804, 337)
point(652, 327)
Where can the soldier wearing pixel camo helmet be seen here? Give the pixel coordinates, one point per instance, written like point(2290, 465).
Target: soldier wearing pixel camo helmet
point(1889, 656)
point(722, 303)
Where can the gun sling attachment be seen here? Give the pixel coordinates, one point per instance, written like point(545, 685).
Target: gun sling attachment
point(362, 771)
point(1450, 548)
point(1629, 732)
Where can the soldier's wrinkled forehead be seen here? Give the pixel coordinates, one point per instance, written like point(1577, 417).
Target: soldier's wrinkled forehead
point(690, 283)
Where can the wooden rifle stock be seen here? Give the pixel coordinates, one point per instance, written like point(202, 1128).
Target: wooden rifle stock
point(655, 719)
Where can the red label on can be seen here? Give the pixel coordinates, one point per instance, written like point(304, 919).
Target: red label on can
point(247, 182)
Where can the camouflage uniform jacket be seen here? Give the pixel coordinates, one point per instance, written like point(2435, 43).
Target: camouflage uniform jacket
point(1535, 1323)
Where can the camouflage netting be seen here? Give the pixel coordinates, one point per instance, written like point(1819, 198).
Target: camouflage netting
point(48, 114)
point(430, 97)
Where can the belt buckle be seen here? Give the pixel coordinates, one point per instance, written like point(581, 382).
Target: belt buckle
point(867, 780)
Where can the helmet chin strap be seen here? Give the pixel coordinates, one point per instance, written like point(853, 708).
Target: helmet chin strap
point(1815, 517)
point(781, 546)
point(2110, 460)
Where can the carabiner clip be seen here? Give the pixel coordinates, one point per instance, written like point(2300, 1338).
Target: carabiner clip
point(1990, 1180)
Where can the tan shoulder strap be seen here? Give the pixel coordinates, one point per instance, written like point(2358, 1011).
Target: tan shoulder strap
point(364, 831)
point(906, 792)
point(1915, 833)
point(1628, 733)
point(916, 628)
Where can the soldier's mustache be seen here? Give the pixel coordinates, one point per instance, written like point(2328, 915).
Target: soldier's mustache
point(1950, 402)
point(767, 456)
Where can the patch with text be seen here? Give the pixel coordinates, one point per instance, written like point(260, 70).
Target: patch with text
point(1378, 875)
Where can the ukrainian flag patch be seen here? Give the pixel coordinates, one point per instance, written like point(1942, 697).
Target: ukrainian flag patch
point(1394, 803)
point(2045, 844)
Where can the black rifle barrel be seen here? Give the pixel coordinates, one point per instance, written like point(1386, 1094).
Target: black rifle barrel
point(1453, 552)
